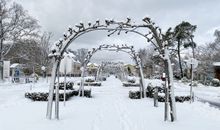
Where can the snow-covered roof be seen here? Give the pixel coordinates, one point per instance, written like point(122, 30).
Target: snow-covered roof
point(92, 64)
point(70, 56)
point(14, 65)
point(216, 63)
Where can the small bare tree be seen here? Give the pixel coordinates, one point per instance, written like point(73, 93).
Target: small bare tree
point(80, 54)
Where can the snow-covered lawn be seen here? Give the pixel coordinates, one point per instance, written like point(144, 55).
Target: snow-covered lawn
point(109, 109)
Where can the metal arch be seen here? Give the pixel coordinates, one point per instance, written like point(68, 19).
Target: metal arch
point(126, 26)
point(154, 36)
point(133, 54)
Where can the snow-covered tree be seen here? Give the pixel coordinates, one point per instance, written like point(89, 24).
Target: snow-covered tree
point(15, 24)
point(183, 36)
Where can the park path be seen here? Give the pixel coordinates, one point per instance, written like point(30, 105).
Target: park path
point(113, 111)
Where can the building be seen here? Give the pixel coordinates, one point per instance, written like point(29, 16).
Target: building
point(92, 69)
point(70, 65)
point(130, 69)
point(216, 66)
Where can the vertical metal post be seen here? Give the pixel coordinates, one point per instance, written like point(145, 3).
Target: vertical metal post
point(57, 97)
point(51, 89)
point(64, 94)
point(191, 85)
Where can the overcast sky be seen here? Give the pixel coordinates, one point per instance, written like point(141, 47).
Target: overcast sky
point(56, 15)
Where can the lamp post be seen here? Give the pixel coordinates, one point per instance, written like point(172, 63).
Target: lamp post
point(43, 68)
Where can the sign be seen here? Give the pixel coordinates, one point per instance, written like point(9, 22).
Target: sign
point(6, 69)
point(192, 62)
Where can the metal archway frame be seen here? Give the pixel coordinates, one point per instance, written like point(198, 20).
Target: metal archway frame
point(153, 36)
point(123, 48)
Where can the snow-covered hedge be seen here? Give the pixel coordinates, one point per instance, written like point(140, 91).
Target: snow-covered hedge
point(43, 96)
point(136, 95)
point(89, 79)
point(129, 84)
point(215, 82)
point(92, 84)
point(150, 93)
point(184, 80)
point(69, 86)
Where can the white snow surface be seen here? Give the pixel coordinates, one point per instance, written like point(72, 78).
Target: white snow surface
point(108, 109)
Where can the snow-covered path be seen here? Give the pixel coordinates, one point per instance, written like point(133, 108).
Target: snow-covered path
point(109, 109)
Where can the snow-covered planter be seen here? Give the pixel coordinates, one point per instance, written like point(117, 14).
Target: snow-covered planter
point(215, 82)
point(134, 94)
point(131, 80)
point(69, 86)
point(129, 84)
point(89, 79)
point(98, 84)
point(150, 93)
point(87, 93)
point(184, 80)
point(194, 84)
point(43, 96)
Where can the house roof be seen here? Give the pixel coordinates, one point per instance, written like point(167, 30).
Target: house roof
point(14, 65)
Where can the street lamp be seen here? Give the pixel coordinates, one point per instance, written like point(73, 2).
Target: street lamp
point(43, 68)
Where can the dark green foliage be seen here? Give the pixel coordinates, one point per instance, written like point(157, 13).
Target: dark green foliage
point(92, 84)
point(150, 94)
point(69, 86)
point(43, 96)
point(127, 84)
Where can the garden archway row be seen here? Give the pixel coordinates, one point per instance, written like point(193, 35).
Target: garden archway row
point(117, 48)
point(153, 36)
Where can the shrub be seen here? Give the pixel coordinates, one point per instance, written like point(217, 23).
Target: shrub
point(184, 80)
point(91, 84)
point(43, 96)
point(215, 82)
point(150, 93)
point(69, 86)
point(127, 84)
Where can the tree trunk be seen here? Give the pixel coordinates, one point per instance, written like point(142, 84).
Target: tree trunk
point(180, 63)
point(1, 50)
point(169, 73)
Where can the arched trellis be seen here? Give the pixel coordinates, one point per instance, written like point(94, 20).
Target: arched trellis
point(123, 48)
point(153, 36)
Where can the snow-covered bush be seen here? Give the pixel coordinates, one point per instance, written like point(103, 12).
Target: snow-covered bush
point(43, 96)
point(194, 84)
point(184, 80)
point(127, 84)
point(215, 82)
point(89, 79)
point(134, 94)
point(91, 84)
point(131, 80)
point(69, 86)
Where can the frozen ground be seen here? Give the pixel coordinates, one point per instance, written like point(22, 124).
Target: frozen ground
point(109, 109)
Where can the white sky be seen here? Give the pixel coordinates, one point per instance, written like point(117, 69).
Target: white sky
point(56, 15)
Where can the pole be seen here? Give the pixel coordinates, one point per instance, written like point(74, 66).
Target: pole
point(166, 100)
point(156, 97)
point(64, 95)
point(57, 97)
point(191, 91)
